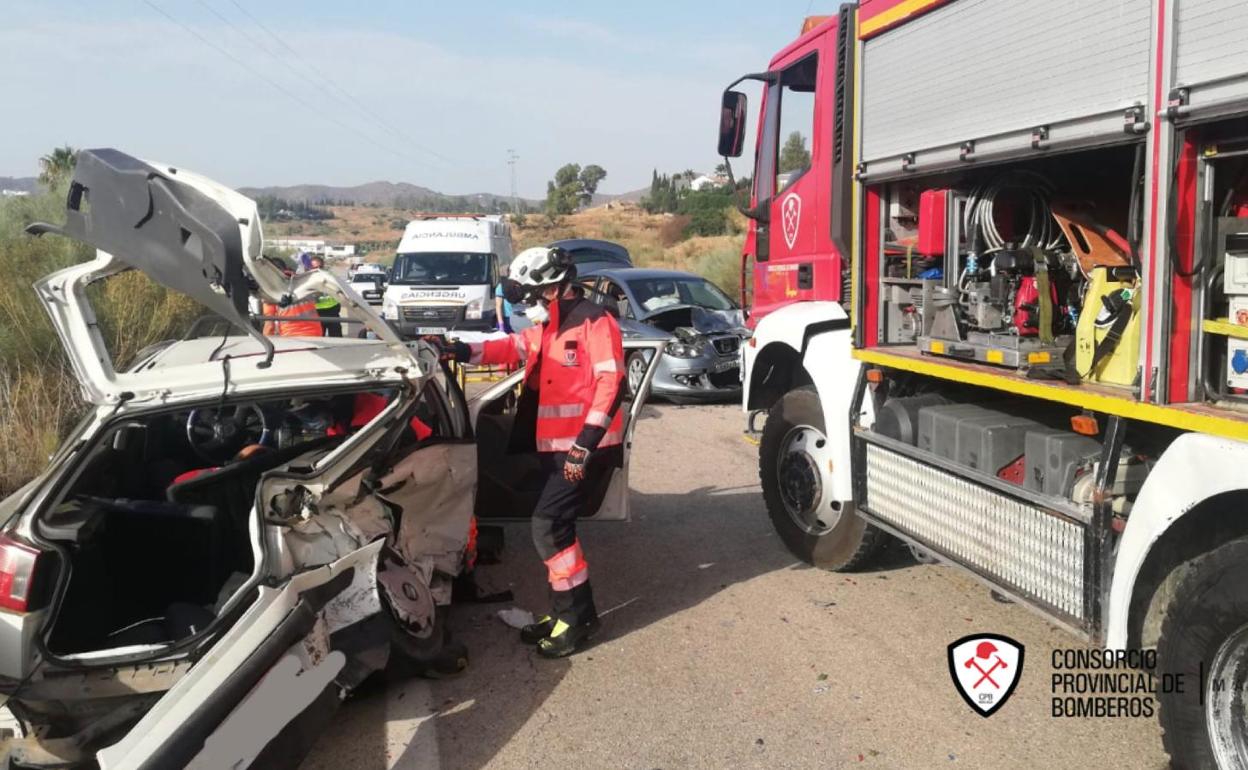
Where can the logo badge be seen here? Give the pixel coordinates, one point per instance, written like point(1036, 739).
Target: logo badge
point(791, 217)
point(985, 670)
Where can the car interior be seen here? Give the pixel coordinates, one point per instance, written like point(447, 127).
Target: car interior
point(156, 522)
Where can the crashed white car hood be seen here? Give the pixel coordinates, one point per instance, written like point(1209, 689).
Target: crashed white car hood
point(203, 239)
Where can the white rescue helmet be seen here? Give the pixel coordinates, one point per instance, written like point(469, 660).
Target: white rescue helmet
point(541, 266)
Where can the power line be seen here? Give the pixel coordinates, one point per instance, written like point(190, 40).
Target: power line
point(260, 45)
point(330, 82)
point(287, 92)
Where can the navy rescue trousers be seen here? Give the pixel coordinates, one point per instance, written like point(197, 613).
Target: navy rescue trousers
point(554, 531)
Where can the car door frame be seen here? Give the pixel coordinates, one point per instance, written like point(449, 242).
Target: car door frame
point(614, 506)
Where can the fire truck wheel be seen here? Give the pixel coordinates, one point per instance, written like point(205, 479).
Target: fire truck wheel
point(792, 457)
point(1206, 629)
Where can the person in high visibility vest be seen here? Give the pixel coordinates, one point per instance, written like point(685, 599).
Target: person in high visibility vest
point(573, 359)
point(302, 309)
point(326, 306)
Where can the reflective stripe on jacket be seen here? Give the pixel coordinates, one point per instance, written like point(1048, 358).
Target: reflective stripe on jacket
point(292, 328)
point(578, 363)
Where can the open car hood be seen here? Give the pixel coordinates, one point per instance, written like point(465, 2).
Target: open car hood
point(187, 233)
point(700, 319)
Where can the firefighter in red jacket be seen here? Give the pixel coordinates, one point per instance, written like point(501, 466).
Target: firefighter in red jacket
point(574, 364)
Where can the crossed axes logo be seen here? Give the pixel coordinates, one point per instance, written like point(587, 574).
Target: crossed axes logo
point(985, 670)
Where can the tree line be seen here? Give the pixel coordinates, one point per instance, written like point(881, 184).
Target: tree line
point(707, 208)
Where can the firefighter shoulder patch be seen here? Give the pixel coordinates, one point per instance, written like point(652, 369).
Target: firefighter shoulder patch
point(985, 670)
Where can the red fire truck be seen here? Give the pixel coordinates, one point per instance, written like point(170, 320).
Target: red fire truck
point(998, 273)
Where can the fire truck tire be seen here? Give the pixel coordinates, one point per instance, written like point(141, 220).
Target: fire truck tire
point(822, 532)
point(1205, 630)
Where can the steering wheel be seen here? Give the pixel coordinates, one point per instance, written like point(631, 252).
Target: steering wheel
point(218, 434)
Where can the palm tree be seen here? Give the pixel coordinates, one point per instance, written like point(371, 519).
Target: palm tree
point(56, 166)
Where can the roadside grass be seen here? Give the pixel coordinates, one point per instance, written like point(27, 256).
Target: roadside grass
point(40, 399)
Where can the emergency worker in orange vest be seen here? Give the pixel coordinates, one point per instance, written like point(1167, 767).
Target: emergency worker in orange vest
point(302, 309)
point(573, 360)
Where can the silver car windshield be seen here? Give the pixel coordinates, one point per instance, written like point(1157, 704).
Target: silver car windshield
point(655, 293)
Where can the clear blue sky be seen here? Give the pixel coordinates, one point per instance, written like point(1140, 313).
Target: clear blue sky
point(432, 93)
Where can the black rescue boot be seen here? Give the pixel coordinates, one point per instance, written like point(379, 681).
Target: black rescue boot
point(565, 640)
point(536, 632)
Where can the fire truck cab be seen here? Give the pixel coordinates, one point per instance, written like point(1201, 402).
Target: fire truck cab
point(998, 275)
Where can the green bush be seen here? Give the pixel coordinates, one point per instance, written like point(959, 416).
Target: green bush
point(722, 267)
point(39, 398)
point(707, 221)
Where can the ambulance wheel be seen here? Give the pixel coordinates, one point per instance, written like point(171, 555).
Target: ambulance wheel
point(794, 468)
point(1207, 623)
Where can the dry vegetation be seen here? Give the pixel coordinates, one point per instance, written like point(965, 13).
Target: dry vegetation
point(39, 395)
point(654, 240)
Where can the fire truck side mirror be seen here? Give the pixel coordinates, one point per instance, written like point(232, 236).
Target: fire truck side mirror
point(732, 124)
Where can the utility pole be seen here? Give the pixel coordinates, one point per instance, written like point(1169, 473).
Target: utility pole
point(512, 157)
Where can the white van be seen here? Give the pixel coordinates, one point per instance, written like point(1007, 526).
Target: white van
point(444, 274)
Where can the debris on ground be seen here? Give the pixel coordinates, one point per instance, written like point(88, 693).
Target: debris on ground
point(515, 617)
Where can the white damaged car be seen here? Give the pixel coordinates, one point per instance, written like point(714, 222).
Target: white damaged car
point(242, 529)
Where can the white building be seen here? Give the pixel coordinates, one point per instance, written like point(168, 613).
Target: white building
point(314, 246)
point(707, 182)
point(14, 193)
point(339, 250)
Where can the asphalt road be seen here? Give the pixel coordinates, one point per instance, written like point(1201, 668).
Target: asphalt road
point(720, 650)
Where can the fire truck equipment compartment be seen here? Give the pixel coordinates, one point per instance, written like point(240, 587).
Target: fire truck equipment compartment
point(1052, 458)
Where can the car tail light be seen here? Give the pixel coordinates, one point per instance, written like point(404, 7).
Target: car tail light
point(17, 573)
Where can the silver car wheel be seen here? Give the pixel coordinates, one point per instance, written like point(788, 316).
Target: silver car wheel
point(636, 373)
point(1225, 710)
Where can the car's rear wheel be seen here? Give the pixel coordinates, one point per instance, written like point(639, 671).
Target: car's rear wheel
point(434, 655)
point(794, 468)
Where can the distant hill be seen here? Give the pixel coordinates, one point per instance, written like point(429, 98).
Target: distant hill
point(399, 194)
point(634, 196)
point(403, 195)
point(24, 183)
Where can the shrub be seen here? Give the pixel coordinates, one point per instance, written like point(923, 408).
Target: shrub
point(707, 221)
point(722, 267)
point(672, 231)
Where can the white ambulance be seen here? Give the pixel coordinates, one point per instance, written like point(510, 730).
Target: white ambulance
point(445, 273)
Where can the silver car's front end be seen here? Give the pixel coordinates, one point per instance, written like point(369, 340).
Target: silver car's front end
point(709, 369)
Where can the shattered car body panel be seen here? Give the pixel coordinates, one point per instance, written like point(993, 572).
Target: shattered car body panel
point(175, 731)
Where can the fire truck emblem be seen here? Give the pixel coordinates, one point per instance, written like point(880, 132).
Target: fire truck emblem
point(985, 670)
point(791, 217)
